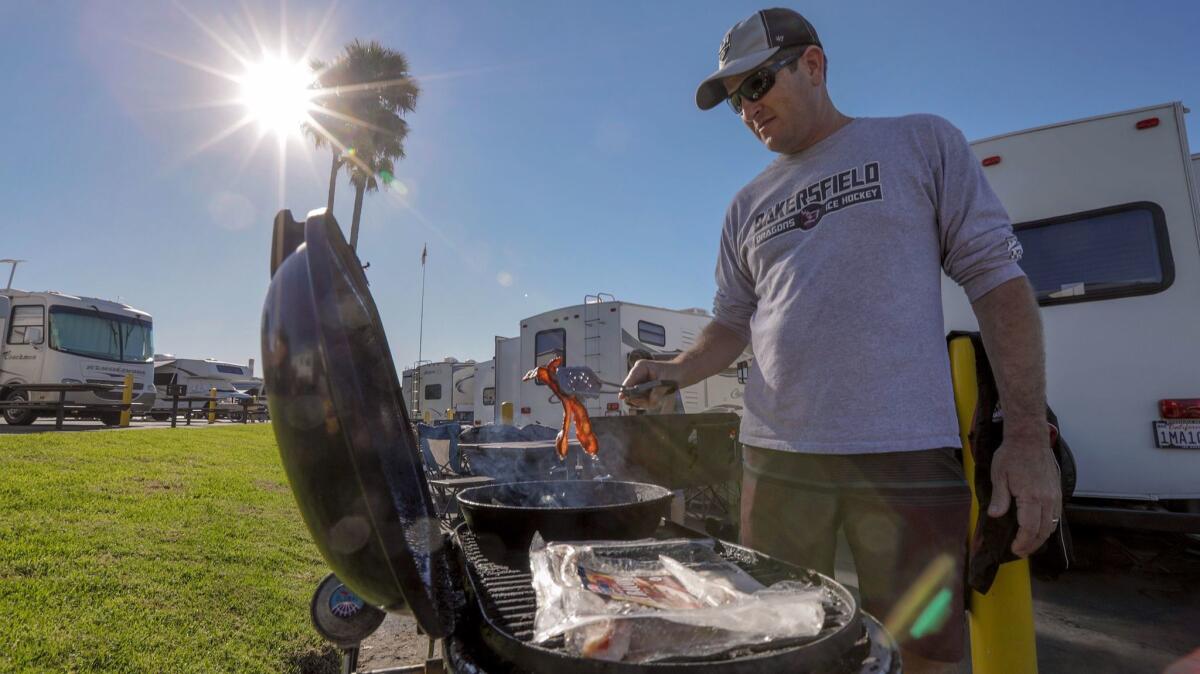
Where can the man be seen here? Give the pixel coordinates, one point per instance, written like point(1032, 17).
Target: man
point(829, 267)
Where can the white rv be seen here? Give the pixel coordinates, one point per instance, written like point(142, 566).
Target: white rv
point(600, 334)
point(52, 338)
point(486, 408)
point(430, 389)
point(1106, 211)
point(234, 383)
point(508, 375)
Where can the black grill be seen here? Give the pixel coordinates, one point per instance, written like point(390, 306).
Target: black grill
point(507, 604)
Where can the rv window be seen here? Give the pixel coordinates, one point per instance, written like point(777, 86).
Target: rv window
point(1113, 252)
point(164, 378)
point(24, 318)
point(98, 334)
point(652, 333)
point(548, 345)
point(229, 369)
point(489, 396)
point(433, 391)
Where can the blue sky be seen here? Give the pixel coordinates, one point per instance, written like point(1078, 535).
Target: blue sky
point(546, 132)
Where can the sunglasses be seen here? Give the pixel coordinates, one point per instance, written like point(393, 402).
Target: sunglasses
point(757, 85)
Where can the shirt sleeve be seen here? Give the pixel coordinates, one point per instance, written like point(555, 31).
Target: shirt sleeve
point(735, 301)
point(979, 250)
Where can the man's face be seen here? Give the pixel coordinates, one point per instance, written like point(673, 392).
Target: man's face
point(783, 118)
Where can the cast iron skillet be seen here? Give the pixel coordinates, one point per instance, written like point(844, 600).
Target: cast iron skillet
point(504, 517)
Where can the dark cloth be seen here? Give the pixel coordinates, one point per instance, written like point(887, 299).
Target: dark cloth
point(991, 545)
point(899, 511)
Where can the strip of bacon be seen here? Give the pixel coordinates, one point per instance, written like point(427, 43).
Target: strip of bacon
point(573, 409)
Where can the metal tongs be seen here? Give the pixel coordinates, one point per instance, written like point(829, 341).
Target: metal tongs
point(581, 381)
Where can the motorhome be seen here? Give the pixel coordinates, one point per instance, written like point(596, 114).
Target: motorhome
point(1106, 211)
point(508, 373)
point(600, 334)
point(55, 338)
point(234, 383)
point(433, 389)
point(486, 408)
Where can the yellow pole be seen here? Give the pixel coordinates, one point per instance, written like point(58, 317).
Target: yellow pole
point(212, 405)
point(126, 399)
point(506, 413)
point(449, 413)
point(426, 416)
point(1001, 622)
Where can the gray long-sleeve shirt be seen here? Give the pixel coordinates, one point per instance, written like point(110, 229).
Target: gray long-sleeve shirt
point(830, 265)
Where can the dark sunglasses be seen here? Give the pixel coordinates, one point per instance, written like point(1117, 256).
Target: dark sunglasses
point(757, 85)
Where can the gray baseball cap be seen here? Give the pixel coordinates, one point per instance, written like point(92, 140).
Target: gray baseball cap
point(749, 44)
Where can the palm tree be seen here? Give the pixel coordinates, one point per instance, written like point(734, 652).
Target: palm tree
point(358, 115)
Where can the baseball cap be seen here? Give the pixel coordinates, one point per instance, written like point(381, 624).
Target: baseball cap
point(750, 43)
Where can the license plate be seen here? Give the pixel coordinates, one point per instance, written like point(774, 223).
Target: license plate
point(1177, 434)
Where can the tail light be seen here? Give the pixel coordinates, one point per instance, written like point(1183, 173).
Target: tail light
point(526, 410)
point(1179, 408)
point(614, 407)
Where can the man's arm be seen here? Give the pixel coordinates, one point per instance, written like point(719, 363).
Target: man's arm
point(1023, 468)
point(717, 348)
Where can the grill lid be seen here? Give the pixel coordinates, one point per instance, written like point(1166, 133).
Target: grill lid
point(343, 432)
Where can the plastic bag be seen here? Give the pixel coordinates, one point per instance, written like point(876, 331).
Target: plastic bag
point(640, 601)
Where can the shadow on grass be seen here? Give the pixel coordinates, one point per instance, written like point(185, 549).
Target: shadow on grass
point(316, 660)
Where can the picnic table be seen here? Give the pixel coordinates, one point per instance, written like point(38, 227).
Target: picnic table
point(61, 406)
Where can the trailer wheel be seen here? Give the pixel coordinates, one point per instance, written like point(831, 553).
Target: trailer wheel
point(110, 418)
point(19, 417)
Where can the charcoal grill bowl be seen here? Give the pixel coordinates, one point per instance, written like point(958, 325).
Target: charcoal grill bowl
point(505, 516)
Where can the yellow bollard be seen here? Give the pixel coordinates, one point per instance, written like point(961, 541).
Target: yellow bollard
point(506, 413)
point(126, 399)
point(1001, 622)
point(212, 405)
point(449, 413)
point(426, 416)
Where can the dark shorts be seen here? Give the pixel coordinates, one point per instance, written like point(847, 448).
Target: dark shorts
point(899, 511)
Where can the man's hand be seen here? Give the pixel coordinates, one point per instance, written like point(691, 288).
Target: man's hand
point(650, 370)
point(1024, 470)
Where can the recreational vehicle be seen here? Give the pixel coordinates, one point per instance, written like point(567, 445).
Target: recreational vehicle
point(508, 374)
point(1106, 211)
point(234, 383)
point(486, 408)
point(433, 389)
point(53, 338)
point(600, 334)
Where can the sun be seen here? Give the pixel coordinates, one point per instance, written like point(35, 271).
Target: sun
point(278, 94)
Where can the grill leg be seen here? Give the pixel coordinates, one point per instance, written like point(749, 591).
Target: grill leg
point(62, 402)
point(349, 660)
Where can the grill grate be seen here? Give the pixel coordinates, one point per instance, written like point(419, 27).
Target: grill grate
point(508, 601)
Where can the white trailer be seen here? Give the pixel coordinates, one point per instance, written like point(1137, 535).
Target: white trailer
point(1106, 211)
point(600, 334)
point(54, 338)
point(430, 389)
point(234, 383)
point(508, 374)
point(486, 408)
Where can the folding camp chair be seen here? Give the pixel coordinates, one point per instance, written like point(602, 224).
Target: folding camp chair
point(444, 467)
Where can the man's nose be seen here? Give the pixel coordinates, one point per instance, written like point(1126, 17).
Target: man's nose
point(750, 109)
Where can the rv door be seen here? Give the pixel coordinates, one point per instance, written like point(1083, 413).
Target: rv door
point(25, 343)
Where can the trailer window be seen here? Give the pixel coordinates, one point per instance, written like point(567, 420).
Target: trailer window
point(229, 369)
point(24, 318)
point(1113, 252)
point(652, 333)
point(164, 378)
point(548, 345)
point(489, 396)
point(433, 391)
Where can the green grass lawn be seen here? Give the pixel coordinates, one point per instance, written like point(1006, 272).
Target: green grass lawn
point(154, 551)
